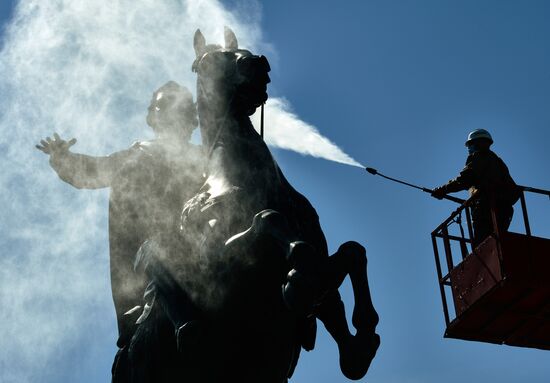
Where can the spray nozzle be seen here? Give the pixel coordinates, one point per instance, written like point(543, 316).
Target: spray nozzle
point(372, 171)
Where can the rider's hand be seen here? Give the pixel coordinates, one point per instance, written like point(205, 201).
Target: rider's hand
point(57, 145)
point(439, 192)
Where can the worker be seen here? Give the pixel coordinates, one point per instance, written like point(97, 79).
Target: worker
point(487, 178)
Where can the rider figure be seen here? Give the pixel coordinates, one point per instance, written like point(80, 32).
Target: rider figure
point(486, 175)
point(149, 183)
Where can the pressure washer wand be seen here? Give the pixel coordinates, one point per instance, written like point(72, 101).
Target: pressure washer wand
point(375, 172)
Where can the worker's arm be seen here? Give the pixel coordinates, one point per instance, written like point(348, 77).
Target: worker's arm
point(80, 170)
point(465, 179)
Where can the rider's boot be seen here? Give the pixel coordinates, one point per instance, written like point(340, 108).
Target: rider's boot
point(164, 290)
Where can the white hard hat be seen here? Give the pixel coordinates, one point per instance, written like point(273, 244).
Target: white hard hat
point(477, 134)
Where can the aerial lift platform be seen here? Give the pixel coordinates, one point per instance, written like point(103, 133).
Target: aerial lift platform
point(501, 289)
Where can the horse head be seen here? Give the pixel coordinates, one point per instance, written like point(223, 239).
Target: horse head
point(231, 82)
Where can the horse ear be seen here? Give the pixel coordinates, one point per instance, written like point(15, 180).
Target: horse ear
point(230, 39)
point(199, 43)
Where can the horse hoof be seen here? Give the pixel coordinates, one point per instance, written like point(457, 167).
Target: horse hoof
point(357, 354)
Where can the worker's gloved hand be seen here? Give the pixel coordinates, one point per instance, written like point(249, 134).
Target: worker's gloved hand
point(439, 192)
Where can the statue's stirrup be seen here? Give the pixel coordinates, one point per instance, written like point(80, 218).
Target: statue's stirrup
point(188, 335)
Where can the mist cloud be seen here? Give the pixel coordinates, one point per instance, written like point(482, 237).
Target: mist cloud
point(87, 69)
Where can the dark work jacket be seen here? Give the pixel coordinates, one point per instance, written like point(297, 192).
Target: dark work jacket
point(486, 174)
point(149, 185)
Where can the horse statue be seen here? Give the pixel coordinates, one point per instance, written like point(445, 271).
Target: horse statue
point(235, 291)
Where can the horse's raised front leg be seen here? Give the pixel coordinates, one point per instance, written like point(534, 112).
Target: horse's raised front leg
point(356, 351)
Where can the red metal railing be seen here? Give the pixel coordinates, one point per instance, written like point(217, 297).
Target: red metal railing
point(464, 240)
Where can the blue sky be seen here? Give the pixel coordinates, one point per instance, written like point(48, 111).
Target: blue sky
point(397, 85)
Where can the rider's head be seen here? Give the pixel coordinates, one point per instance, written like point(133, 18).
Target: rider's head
point(172, 111)
point(479, 140)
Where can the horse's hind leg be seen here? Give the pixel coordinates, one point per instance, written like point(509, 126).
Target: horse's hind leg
point(356, 351)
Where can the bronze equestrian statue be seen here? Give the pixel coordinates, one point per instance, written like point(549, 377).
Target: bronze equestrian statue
point(236, 289)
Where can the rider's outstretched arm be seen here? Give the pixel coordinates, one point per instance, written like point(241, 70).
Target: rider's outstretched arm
point(80, 170)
